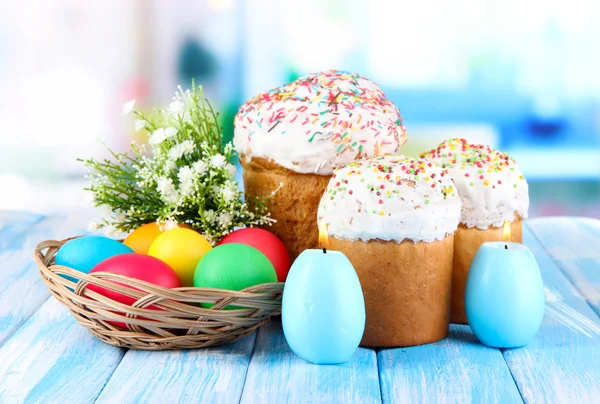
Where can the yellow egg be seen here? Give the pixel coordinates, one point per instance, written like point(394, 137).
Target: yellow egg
point(182, 249)
point(141, 238)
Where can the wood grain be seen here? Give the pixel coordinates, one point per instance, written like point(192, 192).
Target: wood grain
point(562, 364)
point(13, 224)
point(455, 370)
point(574, 244)
point(21, 288)
point(48, 357)
point(209, 375)
point(277, 375)
point(52, 359)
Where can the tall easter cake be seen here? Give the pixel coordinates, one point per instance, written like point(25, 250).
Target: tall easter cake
point(394, 218)
point(290, 138)
point(493, 191)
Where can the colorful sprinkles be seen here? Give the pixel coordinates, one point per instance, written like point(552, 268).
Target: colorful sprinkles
point(393, 177)
point(344, 103)
point(469, 157)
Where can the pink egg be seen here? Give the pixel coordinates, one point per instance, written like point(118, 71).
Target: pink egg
point(138, 266)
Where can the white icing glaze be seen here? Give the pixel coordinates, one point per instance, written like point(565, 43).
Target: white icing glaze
point(319, 122)
point(489, 182)
point(390, 198)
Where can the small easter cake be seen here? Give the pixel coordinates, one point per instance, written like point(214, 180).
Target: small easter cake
point(493, 191)
point(290, 138)
point(394, 218)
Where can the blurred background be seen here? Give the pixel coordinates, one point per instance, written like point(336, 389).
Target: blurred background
point(521, 75)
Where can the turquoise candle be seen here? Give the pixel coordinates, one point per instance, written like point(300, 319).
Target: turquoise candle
point(323, 308)
point(504, 295)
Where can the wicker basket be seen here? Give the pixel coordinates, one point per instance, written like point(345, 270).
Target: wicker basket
point(178, 322)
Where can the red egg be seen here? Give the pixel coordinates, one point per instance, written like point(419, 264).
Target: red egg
point(138, 266)
point(267, 243)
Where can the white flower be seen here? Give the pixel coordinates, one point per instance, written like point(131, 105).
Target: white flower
point(128, 107)
point(210, 215)
point(172, 197)
point(169, 224)
point(160, 135)
point(164, 184)
point(93, 226)
point(229, 148)
point(167, 190)
point(139, 125)
point(231, 170)
point(186, 180)
point(170, 165)
point(225, 219)
point(120, 217)
point(218, 161)
point(185, 147)
point(176, 107)
point(188, 146)
point(145, 175)
point(200, 167)
point(170, 132)
point(215, 190)
point(228, 194)
point(110, 230)
point(175, 152)
point(157, 137)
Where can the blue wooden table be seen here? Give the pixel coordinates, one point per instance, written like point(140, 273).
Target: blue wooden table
point(46, 357)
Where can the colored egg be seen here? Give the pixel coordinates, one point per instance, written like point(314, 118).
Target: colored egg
point(267, 243)
point(504, 295)
point(181, 249)
point(323, 308)
point(141, 238)
point(138, 266)
point(233, 266)
point(84, 253)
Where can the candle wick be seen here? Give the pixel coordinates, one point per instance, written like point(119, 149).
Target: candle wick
point(506, 246)
point(324, 250)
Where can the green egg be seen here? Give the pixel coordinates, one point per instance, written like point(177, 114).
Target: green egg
point(233, 266)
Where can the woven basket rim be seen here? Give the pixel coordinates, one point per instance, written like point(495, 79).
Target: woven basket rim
point(159, 317)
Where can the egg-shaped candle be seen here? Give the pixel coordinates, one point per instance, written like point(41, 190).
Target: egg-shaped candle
point(323, 308)
point(504, 295)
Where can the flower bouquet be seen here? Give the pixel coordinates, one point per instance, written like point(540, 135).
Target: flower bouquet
point(184, 175)
point(178, 197)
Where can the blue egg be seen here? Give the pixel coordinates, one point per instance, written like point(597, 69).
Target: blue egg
point(504, 295)
point(84, 253)
point(323, 308)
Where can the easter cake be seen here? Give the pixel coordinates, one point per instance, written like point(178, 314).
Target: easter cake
point(493, 191)
point(290, 138)
point(394, 218)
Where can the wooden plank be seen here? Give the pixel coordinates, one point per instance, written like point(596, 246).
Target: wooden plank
point(562, 364)
point(21, 288)
point(13, 224)
point(574, 244)
point(53, 359)
point(211, 375)
point(277, 375)
point(457, 369)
